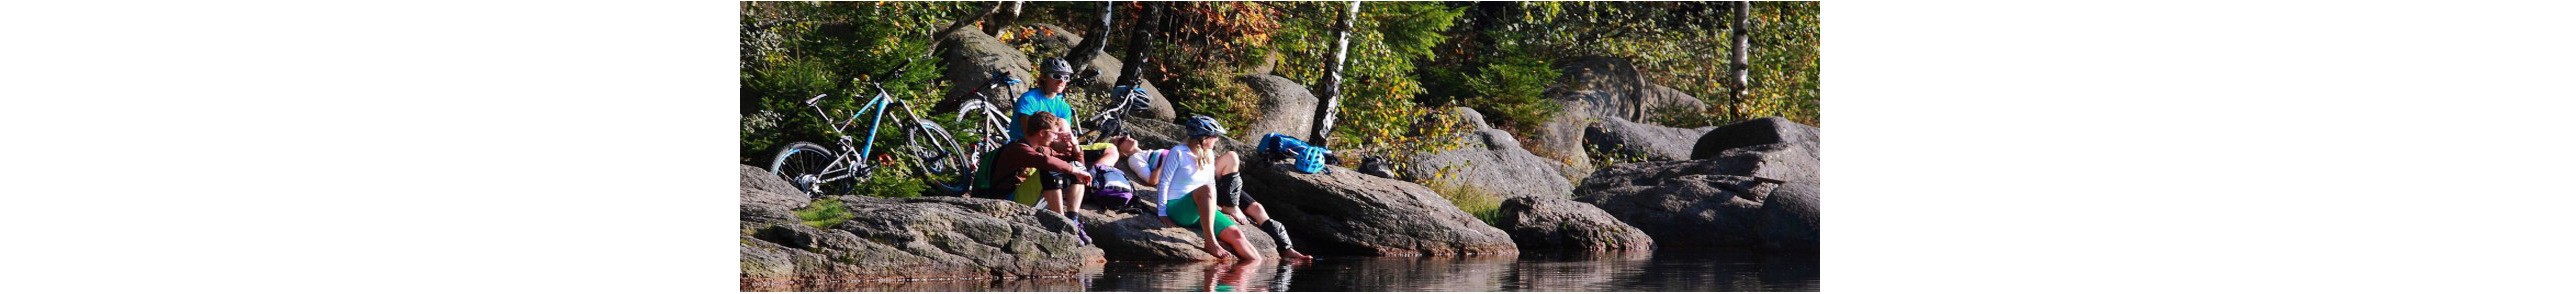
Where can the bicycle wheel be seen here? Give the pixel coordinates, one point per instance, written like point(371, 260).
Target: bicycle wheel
point(804, 164)
point(940, 160)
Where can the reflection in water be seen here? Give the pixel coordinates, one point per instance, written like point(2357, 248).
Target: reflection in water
point(1669, 270)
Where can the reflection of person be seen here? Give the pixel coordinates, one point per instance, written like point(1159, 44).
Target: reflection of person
point(1232, 277)
point(1188, 178)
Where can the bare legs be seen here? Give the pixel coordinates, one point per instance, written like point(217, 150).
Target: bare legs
point(1252, 212)
point(1236, 244)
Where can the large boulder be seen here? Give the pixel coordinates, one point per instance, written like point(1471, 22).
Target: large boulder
point(1490, 159)
point(1130, 236)
point(1617, 137)
point(1557, 223)
point(1660, 101)
point(1792, 218)
point(764, 198)
point(1597, 87)
point(1105, 67)
point(915, 239)
point(967, 56)
point(1765, 195)
point(1759, 131)
point(1287, 108)
point(1349, 213)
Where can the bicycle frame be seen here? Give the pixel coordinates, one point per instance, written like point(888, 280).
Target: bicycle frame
point(851, 165)
point(1107, 123)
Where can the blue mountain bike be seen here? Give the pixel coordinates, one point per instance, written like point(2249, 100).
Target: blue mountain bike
point(936, 157)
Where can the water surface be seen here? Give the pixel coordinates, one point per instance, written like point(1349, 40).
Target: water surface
point(1669, 270)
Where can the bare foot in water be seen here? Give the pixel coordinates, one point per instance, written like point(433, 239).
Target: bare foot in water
point(1293, 254)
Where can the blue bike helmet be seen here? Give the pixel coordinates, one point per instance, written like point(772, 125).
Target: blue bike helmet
point(1203, 126)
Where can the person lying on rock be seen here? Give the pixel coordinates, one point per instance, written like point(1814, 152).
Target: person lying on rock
point(1188, 179)
point(1026, 160)
point(1230, 191)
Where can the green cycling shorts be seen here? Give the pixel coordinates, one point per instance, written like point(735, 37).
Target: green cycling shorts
point(1187, 214)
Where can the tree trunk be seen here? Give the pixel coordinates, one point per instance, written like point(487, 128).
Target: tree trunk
point(1741, 60)
point(1092, 45)
point(1136, 59)
point(1329, 98)
point(1006, 12)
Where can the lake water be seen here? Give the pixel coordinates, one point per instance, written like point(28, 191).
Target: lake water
point(1670, 270)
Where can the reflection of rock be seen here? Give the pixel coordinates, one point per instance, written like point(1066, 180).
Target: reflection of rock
point(1356, 214)
point(1723, 270)
point(905, 239)
point(1490, 159)
point(1577, 272)
point(1413, 274)
point(1756, 184)
point(1564, 225)
point(1015, 285)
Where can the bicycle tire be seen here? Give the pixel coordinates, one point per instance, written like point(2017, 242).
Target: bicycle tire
point(941, 162)
point(804, 165)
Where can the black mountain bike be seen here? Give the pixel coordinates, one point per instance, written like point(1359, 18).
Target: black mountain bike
point(819, 169)
point(1113, 120)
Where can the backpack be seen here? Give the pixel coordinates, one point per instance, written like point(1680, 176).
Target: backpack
point(1310, 158)
point(982, 182)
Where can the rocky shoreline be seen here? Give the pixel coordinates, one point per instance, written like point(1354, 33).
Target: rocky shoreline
point(1754, 184)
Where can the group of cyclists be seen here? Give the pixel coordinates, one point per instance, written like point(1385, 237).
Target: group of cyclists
point(1043, 164)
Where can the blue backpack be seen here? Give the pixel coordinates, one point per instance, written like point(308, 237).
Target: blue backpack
point(1310, 158)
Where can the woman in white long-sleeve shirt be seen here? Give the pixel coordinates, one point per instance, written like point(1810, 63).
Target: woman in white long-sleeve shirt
point(1187, 177)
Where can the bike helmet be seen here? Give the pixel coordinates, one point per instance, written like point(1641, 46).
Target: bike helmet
point(1203, 126)
point(1056, 67)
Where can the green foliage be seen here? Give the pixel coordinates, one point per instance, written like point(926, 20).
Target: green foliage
point(823, 213)
point(1682, 45)
point(1476, 201)
point(791, 51)
point(1379, 83)
point(1510, 91)
point(1220, 96)
point(1786, 62)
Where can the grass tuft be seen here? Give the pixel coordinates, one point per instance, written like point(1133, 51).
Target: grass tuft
point(823, 213)
point(1476, 201)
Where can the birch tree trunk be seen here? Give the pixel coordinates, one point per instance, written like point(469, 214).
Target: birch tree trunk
point(1741, 60)
point(1329, 99)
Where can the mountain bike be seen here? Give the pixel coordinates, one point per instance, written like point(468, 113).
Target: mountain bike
point(1113, 120)
point(819, 169)
point(986, 120)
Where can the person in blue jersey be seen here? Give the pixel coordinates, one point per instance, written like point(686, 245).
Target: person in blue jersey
point(1050, 97)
